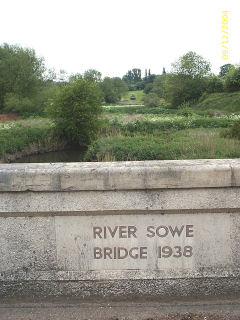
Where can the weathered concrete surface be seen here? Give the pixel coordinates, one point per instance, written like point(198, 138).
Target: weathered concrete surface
point(132, 175)
point(157, 228)
point(62, 309)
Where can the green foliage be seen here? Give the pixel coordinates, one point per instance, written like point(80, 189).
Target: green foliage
point(174, 145)
point(147, 127)
point(233, 132)
point(214, 84)
point(140, 109)
point(17, 138)
point(113, 89)
point(208, 113)
point(227, 102)
point(187, 82)
point(182, 88)
point(159, 85)
point(21, 72)
point(224, 69)
point(148, 88)
point(92, 75)
point(232, 80)
point(151, 100)
point(185, 110)
point(33, 106)
point(75, 111)
point(192, 65)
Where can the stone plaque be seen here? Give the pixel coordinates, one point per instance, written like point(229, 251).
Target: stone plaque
point(169, 244)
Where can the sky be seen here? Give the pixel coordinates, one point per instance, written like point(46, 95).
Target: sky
point(114, 36)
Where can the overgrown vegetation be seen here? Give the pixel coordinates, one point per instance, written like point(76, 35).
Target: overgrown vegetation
point(75, 111)
point(187, 144)
point(15, 138)
point(186, 113)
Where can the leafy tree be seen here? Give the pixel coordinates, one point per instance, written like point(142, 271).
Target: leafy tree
point(188, 79)
point(181, 88)
point(133, 79)
point(21, 72)
point(224, 69)
point(120, 86)
point(113, 89)
point(109, 92)
point(148, 88)
point(214, 84)
point(158, 85)
point(75, 111)
point(232, 80)
point(192, 65)
point(93, 75)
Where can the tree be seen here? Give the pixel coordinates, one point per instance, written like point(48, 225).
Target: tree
point(188, 79)
point(133, 79)
point(75, 111)
point(109, 92)
point(119, 86)
point(113, 89)
point(192, 65)
point(232, 80)
point(21, 72)
point(214, 84)
point(93, 75)
point(181, 88)
point(158, 85)
point(224, 69)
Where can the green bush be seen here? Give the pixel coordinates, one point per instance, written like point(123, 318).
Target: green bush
point(151, 100)
point(214, 84)
point(208, 113)
point(233, 132)
point(75, 111)
point(26, 106)
point(232, 80)
point(185, 110)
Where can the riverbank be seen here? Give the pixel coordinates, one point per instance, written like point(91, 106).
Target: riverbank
point(17, 141)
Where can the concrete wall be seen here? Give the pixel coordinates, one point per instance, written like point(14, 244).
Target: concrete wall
point(161, 228)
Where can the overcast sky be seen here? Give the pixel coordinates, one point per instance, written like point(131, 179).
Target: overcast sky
point(114, 36)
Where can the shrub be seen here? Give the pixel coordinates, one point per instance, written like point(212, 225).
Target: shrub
point(233, 132)
point(214, 84)
point(185, 110)
point(151, 100)
point(232, 80)
point(75, 111)
point(208, 113)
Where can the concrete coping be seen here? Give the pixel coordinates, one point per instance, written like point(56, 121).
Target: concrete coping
point(128, 175)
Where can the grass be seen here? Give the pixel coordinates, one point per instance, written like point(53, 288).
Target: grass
point(227, 102)
point(185, 144)
point(139, 95)
point(27, 136)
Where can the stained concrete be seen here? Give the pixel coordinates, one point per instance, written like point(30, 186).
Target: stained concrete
point(184, 220)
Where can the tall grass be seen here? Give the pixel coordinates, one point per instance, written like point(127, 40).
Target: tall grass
point(185, 144)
